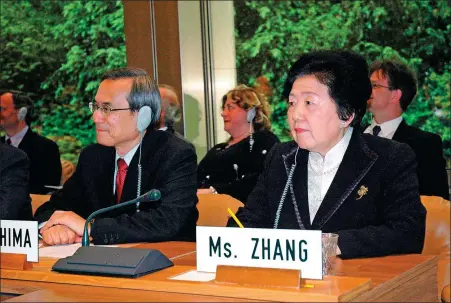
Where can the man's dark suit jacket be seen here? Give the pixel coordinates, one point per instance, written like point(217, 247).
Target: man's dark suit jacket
point(15, 202)
point(428, 149)
point(373, 202)
point(168, 164)
point(45, 162)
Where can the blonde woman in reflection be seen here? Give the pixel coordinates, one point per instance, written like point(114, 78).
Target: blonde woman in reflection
point(233, 167)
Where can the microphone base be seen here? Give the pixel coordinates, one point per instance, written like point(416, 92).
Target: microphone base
point(113, 261)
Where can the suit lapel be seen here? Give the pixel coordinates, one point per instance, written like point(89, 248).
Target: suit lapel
point(402, 132)
point(105, 186)
point(298, 191)
point(150, 144)
point(26, 141)
point(357, 161)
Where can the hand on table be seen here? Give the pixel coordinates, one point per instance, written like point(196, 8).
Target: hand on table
point(59, 234)
point(67, 218)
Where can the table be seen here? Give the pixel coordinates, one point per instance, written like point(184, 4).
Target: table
point(395, 278)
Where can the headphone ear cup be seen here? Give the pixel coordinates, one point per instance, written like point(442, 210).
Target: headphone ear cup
point(22, 114)
point(144, 118)
point(251, 115)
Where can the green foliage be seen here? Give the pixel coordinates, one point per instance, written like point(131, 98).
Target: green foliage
point(69, 147)
point(58, 50)
point(271, 35)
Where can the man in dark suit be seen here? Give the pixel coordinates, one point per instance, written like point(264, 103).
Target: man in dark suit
point(15, 202)
point(394, 87)
point(126, 107)
point(45, 163)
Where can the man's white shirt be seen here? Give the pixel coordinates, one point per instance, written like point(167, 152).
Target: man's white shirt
point(17, 138)
point(388, 128)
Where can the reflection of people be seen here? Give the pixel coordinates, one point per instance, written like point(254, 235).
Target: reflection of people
point(108, 173)
point(170, 108)
point(394, 87)
point(15, 202)
point(45, 163)
point(332, 177)
point(233, 167)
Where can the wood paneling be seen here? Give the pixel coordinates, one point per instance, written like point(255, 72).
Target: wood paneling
point(139, 43)
point(394, 278)
point(138, 38)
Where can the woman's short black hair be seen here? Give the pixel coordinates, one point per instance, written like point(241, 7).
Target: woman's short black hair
point(346, 75)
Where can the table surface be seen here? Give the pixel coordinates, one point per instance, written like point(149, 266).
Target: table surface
point(392, 278)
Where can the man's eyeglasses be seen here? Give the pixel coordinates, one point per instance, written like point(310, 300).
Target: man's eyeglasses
point(375, 85)
point(106, 110)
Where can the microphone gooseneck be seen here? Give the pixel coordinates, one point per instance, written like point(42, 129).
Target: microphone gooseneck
point(151, 196)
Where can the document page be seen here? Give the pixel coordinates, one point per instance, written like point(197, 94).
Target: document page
point(62, 251)
point(194, 275)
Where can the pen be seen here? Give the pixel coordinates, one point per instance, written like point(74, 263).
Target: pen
point(308, 286)
point(235, 218)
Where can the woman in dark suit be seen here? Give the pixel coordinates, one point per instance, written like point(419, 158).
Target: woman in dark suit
point(233, 167)
point(332, 177)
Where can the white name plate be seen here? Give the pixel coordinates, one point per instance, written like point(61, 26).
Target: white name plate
point(253, 247)
point(20, 237)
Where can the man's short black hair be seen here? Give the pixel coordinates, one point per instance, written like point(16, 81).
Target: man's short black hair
point(21, 99)
point(399, 76)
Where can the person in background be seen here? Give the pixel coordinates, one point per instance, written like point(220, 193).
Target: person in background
point(332, 177)
point(394, 88)
point(45, 162)
point(15, 202)
point(170, 109)
point(233, 167)
point(130, 159)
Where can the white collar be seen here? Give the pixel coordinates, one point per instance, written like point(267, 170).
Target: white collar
point(334, 156)
point(387, 128)
point(128, 156)
point(17, 138)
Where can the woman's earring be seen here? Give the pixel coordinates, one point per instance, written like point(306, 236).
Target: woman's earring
point(251, 138)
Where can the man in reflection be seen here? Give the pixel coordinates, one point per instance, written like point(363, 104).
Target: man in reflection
point(394, 87)
point(170, 109)
point(45, 162)
point(109, 172)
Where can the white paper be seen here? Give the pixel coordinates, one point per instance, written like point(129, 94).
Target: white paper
point(62, 251)
point(20, 237)
point(53, 186)
point(255, 247)
point(194, 275)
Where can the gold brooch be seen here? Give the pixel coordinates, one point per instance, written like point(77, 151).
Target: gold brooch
point(362, 191)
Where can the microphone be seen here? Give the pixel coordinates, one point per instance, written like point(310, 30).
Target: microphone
point(150, 196)
point(114, 261)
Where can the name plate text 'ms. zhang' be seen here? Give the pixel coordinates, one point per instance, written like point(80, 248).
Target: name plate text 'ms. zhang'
point(266, 248)
point(20, 237)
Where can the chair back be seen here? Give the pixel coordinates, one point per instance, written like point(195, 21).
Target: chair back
point(437, 239)
point(213, 209)
point(446, 294)
point(68, 170)
point(38, 200)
